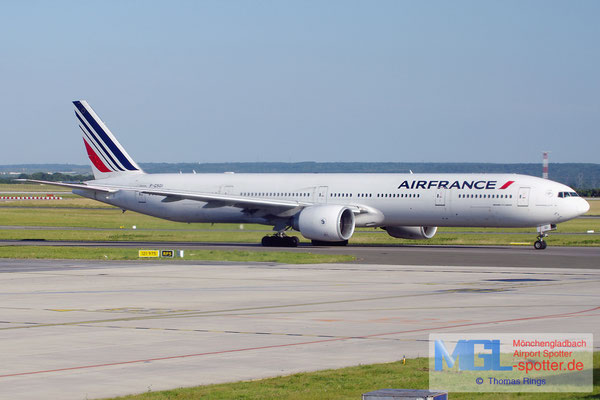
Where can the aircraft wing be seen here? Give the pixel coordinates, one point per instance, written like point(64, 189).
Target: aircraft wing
point(215, 200)
point(277, 207)
point(280, 208)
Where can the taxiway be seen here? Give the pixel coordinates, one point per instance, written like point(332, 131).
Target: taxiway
point(498, 256)
point(81, 329)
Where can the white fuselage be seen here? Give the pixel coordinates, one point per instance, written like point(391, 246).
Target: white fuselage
point(478, 200)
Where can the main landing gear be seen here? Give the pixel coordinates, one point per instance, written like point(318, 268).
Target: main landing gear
point(540, 243)
point(280, 240)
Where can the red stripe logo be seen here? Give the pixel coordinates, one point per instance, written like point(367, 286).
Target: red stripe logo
point(95, 159)
point(507, 184)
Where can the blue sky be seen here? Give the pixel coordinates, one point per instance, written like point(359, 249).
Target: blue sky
point(218, 81)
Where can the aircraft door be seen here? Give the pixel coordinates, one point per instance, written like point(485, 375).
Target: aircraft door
point(321, 194)
point(141, 197)
point(523, 197)
point(440, 197)
point(226, 189)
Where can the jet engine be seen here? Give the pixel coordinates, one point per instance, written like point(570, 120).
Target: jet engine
point(327, 223)
point(411, 232)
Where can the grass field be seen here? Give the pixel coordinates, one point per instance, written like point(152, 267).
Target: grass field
point(594, 207)
point(115, 253)
point(60, 219)
point(32, 187)
point(254, 237)
point(345, 384)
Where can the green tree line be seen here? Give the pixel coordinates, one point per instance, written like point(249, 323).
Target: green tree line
point(44, 176)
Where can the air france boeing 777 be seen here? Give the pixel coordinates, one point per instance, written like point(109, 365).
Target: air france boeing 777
point(325, 208)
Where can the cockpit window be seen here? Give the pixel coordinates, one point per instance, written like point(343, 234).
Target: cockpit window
point(568, 194)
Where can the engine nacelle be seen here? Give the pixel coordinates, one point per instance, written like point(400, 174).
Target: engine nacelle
point(328, 223)
point(411, 232)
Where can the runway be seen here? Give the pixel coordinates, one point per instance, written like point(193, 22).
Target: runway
point(498, 256)
point(81, 329)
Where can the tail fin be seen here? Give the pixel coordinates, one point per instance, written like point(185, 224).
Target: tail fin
point(107, 156)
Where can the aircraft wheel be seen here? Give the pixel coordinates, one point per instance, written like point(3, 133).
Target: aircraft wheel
point(539, 245)
point(289, 241)
point(267, 241)
point(280, 241)
point(544, 245)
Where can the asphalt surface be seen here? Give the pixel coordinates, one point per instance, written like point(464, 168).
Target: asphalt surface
point(95, 329)
point(492, 256)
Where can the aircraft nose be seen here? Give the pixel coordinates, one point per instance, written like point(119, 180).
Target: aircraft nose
point(584, 206)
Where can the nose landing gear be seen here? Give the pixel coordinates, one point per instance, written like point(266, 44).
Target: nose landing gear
point(540, 243)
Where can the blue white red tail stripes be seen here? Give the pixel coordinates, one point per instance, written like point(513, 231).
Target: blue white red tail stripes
point(105, 152)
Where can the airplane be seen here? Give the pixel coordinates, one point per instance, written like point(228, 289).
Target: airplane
point(325, 208)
